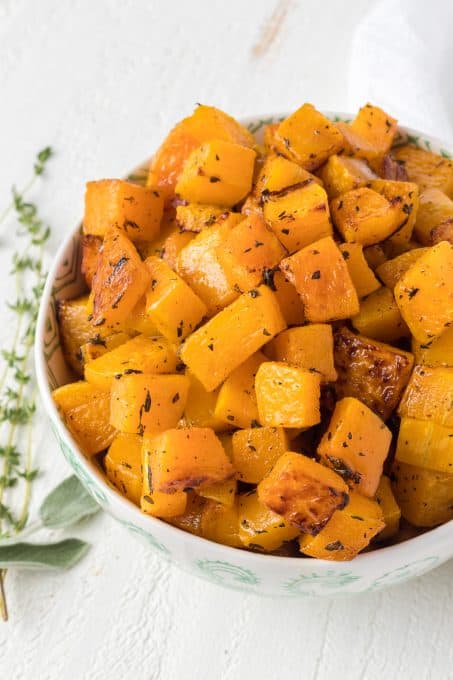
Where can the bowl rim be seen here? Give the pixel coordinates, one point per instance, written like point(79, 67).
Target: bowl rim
point(438, 534)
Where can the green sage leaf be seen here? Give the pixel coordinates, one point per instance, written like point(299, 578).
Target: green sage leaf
point(62, 555)
point(67, 504)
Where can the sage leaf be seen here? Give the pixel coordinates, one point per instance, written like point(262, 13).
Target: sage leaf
point(67, 504)
point(62, 555)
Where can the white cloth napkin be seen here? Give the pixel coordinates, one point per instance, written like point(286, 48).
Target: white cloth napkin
point(401, 58)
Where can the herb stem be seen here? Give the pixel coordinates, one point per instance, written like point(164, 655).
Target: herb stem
point(10, 207)
point(23, 517)
point(3, 603)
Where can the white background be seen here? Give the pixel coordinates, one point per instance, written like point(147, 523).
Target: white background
point(102, 81)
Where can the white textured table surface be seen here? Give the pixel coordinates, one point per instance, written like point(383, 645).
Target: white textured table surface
point(102, 81)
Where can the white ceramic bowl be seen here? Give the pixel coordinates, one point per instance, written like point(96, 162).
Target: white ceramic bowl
point(262, 574)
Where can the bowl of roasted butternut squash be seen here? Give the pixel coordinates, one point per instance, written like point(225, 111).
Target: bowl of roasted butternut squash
point(246, 350)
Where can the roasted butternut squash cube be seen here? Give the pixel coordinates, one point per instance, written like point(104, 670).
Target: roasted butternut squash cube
point(247, 251)
point(140, 403)
point(115, 203)
point(220, 523)
point(287, 297)
point(156, 503)
point(371, 371)
point(357, 146)
point(196, 217)
point(120, 280)
point(298, 215)
point(261, 528)
point(425, 168)
point(362, 275)
point(269, 137)
point(190, 519)
point(256, 450)
point(278, 173)
point(169, 244)
point(309, 347)
point(341, 174)
point(123, 465)
point(348, 532)
point(424, 496)
point(308, 137)
point(321, 277)
point(356, 445)
point(223, 493)
point(236, 402)
point(379, 317)
point(138, 355)
point(217, 172)
point(375, 256)
point(287, 396)
point(97, 346)
point(85, 410)
point(364, 216)
point(426, 444)
point(76, 330)
point(304, 492)
point(91, 246)
point(429, 395)
point(424, 293)
point(435, 209)
point(204, 124)
point(138, 320)
point(200, 407)
point(199, 265)
point(376, 127)
point(390, 509)
point(404, 199)
point(436, 352)
point(170, 303)
point(392, 270)
point(187, 458)
point(232, 336)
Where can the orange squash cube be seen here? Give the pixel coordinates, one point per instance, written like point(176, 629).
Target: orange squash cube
point(309, 347)
point(156, 503)
point(429, 395)
point(196, 217)
point(392, 270)
point(321, 277)
point(356, 445)
point(186, 458)
point(261, 528)
point(425, 168)
point(220, 523)
point(217, 172)
point(204, 124)
point(287, 396)
point(376, 127)
point(436, 352)
point(96, 347)
point(341, 174)
point(200, 407)
point(91, 246)
point(247, 250)
point(362, 275)
point(435, 210)
point(304, 492)
point(141, 403)
point(223, 493)
point(170, 303)
point(298, 215)
point(85, 410)
point(169, 244)
point(256, 450)
point(123, 465)
point(114, 203)
point(138, 355)
point(404, 198)
point(424, 293)
point(357, 146)
point(236, 402)
point(287, 297)
point(426, 444)
point(348, 532)
point(390, 509)
point(199, 265)
point(278, 173)
point(364, 216)
point(424, 496)
point(120, 281)
point(379, 317)
point(308, 138)
point(232, 336)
